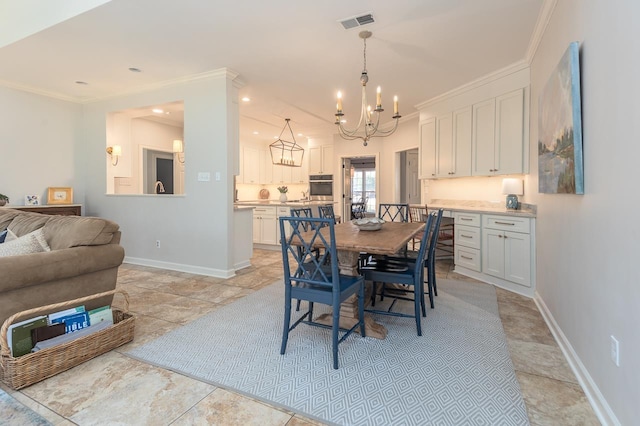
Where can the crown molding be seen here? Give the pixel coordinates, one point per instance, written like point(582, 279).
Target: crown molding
point(546, 12)
point(218, 73)
point(496, 75)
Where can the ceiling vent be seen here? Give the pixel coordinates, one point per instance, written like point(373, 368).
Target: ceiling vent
point(357, 21)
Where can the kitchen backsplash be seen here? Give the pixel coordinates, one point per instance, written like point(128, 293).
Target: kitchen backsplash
point(249, 192)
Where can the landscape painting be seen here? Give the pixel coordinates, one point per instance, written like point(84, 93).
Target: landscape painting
point(560, 129)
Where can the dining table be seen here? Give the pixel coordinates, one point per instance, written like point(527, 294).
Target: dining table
point(350, 242)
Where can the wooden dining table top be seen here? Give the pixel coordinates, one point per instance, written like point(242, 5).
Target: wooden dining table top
point(389, 240)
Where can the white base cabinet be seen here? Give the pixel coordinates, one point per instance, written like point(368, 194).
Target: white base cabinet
point(264, 225)
point(496, 249)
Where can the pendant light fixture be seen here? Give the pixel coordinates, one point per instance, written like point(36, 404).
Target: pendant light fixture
point(368, 125)
point(286, 153)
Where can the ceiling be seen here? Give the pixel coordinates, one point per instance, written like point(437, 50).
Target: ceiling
point(292, 56)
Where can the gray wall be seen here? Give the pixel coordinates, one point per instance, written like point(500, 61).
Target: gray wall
point(587, 245)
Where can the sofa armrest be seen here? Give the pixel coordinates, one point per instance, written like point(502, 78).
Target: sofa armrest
point(38, 268)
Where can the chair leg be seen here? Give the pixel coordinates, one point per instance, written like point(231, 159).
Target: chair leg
point(298, 305)
point(417, 301)
point(285, 328)
point(422, 302)
point(334, 334)
point(310, 311)
point(361, 310)
point(373, 294)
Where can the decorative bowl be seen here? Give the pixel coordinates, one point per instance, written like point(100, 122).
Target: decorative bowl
point(368, 223)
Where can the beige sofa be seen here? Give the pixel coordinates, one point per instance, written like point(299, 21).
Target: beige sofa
point(84, 259)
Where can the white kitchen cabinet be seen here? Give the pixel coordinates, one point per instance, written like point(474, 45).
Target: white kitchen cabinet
point(498, 135)
point(301, 174)
point(467, 240)
point(445, 163)
point(321, 160)
point(506, 248)
point(251, 165)
point(281, 174)
point(427, 149)
point(282, 211)
point(266, 167)
point(264, 225)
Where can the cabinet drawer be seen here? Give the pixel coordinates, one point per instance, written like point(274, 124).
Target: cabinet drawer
point(264, 211)
point(284, 211)
point(469, 219)
point(507, 223)
point(467, 236)
point(467, 257)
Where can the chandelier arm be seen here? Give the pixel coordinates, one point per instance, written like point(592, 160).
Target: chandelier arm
point(383, 133)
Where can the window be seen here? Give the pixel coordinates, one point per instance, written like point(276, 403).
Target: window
point(363, 186)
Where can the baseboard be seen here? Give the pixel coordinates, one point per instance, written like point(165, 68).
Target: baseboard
point(596, 399)
point(242, 265)
point(191, 269)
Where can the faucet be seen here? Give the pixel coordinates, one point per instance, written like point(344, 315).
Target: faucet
point(159, 185)
point(304, 194)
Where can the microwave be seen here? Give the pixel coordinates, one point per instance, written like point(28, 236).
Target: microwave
point(321, 187)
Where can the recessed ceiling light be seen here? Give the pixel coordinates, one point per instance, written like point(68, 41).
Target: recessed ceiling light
point(343, 121)
point(132, 69)
point(256, 133)
point(82, 82)
point(157, 110)
point(275, 137)
point(246, 99)
point(168, 113)
point(300, 134)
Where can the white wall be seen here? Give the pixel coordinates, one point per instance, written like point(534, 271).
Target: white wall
point(38, 141)
point(195, 229)
point(588, 246)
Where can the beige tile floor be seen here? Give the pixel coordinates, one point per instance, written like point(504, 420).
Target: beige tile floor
point(115, 389)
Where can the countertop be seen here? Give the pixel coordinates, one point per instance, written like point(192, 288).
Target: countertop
point(278, 203)
point(525, 210)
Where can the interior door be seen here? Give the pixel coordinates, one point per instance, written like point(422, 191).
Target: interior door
point(346, 189)
point(412, 183)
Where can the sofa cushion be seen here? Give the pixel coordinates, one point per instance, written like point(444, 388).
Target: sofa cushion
point(72, 231)
point(25, 222)
point(33, 242)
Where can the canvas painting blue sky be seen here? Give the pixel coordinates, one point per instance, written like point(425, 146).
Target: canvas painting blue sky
point(560, 129)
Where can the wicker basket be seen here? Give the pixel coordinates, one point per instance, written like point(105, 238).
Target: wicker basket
point(28, 369)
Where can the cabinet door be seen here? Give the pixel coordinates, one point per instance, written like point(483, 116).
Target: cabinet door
point(266, 167)
point(493, 252)
point(315, 160)
point(509, 133)
point(257, 229)
point(281, 174)
point(462, 142)
point(483, 138)
point(517, 262)
point(269, 233)
point(251, 166)
point(444, 146)
point(427, 161)
point(327, 159)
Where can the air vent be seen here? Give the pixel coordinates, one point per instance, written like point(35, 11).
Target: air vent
point(357, 21)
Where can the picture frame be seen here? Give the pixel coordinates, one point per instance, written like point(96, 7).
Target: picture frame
point(60, 195)
point(560, 164)
point(31, 200)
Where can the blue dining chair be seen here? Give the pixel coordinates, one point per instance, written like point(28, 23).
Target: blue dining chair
point(394, 212)
point(327, 212)
point(409, 274)
point(316, 280)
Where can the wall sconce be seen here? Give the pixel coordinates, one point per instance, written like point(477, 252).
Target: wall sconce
point(178, 148)
point(114, 151)
point(512, 188)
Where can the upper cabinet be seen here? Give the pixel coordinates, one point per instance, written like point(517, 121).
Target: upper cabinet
point(498, 135)
point(250, 165)
point(482, 130)
point(321, 160)
point(427, 149)
point(256, 167)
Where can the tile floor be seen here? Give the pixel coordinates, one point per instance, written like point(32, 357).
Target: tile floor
point(115, 389)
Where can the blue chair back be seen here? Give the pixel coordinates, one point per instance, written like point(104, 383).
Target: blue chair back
point(327, 212)
point(394, 212)
point(434, 234)
point(301, 264)
point(304, 212)
point(419, 265)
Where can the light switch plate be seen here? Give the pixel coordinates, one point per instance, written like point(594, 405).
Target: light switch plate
point(204, 176)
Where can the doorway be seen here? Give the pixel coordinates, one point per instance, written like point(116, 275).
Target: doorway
point(359, 183)
point(158, 176)
point(409, 181)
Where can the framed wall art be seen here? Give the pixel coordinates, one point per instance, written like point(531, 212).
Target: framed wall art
point(31, 200)
point(560, 167)
point(60, 195)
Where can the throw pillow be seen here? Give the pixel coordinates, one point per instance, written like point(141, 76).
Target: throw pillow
point(10, 236)
point(3, 235)
point(33, 242)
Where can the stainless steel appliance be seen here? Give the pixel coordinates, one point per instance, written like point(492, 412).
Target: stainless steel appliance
point(321, 187)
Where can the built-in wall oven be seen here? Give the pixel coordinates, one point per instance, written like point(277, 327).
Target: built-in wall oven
point(321, 187)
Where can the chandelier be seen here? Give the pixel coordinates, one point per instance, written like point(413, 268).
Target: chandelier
point(286, 153)
point(368, 126)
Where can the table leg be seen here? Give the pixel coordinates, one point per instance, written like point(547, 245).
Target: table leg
point(348, 264)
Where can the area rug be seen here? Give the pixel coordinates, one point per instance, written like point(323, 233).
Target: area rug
point(13, 412)
point(458, 373)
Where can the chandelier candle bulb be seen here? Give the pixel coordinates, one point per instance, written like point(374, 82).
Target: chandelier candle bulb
point(339, 106)
point(378, 99)
point(395, 105)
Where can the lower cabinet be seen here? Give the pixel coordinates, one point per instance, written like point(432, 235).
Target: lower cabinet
point(265, 225)
point(282, 211)
point(496, 249)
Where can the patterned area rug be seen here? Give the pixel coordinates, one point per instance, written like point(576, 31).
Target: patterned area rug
point(458, 373)
point(14, 413)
